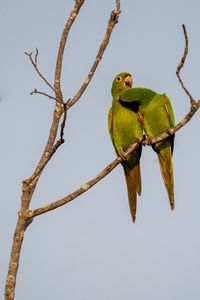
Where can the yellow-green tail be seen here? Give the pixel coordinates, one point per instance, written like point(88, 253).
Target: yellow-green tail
point(166, 166)
point(133, 181)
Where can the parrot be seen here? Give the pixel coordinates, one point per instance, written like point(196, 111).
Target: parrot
point(125, 129)
point(155, 116)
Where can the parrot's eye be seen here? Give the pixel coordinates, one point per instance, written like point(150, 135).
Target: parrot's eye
point(119, 79)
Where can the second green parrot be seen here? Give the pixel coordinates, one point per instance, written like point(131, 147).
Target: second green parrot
point(156, 115)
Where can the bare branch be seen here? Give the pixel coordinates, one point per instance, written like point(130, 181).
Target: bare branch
point(34, 63)
point(63, 41)
point(111, 24)
point(35, 91)
point(76, 193)
point(181, 64)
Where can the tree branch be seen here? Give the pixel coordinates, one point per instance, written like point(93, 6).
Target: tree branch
point(35, 65)
point(35, 91)
point(58, 69)
point(111, 24)
point(147, 141)
point(181, 64)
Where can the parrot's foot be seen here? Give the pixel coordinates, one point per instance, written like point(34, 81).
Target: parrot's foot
point(145, 140)
point(122, 155)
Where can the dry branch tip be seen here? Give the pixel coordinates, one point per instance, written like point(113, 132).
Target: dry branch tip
point(34, 91)
point(181, 64)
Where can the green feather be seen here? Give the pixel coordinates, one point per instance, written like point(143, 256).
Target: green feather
point(137, 94)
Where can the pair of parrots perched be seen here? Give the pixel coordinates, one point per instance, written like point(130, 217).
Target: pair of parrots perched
point(133, 111)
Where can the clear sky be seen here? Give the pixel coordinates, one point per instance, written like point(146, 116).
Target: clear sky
point(90, 249)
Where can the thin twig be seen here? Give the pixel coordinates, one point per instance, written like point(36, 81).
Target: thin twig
point(34, 63)
point(35, 91)
point(181, 64)
point(111, 24)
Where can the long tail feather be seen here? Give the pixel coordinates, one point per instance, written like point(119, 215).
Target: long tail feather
point(133, 181)
point(166, 167)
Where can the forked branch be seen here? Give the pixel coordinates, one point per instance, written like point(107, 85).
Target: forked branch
point(111, 24)
point(34, 62)
point(58, 69)
point(35, 91)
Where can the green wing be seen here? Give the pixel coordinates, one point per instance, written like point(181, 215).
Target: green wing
point(158, 116)
point(137, 94)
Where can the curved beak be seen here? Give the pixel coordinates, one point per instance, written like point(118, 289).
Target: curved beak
point(128, 81)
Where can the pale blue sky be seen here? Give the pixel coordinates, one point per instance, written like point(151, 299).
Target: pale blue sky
point(90, 249)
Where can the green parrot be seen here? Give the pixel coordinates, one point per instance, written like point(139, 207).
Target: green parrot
point(155, 116)
point(125, 129)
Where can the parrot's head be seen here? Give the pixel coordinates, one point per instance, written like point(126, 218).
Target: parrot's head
point(122, 81)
